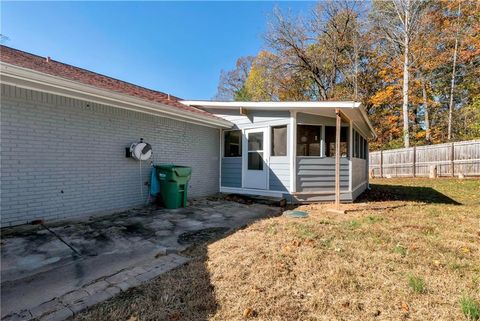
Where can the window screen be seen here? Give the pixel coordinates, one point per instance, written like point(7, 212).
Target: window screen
point(279, 141)
point(233, 143)
point(365, 148)
point(355, 144)
point(255, 151)
point(358, 144)
point(330, 132)
point(308, 140)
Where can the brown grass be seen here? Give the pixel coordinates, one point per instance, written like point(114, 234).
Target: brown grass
point(364, 265)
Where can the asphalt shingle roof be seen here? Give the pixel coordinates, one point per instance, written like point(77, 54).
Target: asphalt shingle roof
point(55, 68)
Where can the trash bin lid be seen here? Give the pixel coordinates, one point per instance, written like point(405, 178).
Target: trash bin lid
point(183, 171)
point(165, 167)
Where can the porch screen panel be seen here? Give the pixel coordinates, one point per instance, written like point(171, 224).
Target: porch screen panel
point(308, 140)
point(233, 143)
point(330, 132)
point(279, 141)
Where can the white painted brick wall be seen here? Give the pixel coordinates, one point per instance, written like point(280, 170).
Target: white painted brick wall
point(51, 144)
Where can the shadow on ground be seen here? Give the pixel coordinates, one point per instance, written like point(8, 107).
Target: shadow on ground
point(384, 193)
point(185, 293)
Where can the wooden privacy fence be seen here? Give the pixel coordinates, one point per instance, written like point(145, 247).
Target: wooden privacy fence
point(450, 159)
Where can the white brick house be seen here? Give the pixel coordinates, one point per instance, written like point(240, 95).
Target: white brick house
point(63, 139)
point(64, 131)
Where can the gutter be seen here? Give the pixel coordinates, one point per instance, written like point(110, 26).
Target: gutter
point(34, 80)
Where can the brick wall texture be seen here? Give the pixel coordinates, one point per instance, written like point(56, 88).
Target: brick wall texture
point(65, 158)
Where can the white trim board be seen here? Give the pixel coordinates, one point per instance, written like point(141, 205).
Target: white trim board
point(251, 191)
point(292, 149)
point(277, 105)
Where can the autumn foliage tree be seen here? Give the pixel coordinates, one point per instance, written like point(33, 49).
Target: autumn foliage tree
point(413, 64)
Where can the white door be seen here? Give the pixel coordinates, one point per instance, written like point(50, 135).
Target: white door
point(255, 153)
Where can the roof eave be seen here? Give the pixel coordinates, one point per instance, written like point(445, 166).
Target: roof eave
point(283, 105)
point(31, 79)
point(270, 105)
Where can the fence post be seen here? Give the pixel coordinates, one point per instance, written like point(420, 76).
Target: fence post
point(381, 163)
point(414, 161)
point(452, 160)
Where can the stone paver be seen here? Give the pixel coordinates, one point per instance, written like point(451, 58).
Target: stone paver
point(78, 300)
point(57, 315)
point(97, 286)
point(46, 308)
point(118, 252)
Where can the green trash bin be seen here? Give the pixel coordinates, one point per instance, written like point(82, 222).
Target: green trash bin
point(174, 184)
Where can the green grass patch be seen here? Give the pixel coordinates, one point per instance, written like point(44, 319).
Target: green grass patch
point(458, 266)
point(354, 224)
point(374, 219)
point(326, 243)
point(417, 284)
point(400, 249)
point(272, 229)
point(304, 231)
point(470, 308)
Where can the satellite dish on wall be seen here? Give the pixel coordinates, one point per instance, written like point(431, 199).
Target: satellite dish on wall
point(141, 150)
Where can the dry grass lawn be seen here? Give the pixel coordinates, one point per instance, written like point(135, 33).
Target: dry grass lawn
point(407, 250)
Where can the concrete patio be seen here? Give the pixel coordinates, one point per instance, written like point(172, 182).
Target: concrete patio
point(43, 278)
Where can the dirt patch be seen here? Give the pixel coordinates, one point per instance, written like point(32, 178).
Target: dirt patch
point(202, 236)
point(138, 229)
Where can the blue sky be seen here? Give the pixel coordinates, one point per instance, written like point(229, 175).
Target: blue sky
point(175, 47)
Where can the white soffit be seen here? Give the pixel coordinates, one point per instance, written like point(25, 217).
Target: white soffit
point(352, 109)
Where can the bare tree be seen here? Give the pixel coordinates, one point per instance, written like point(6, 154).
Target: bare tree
point(316, 47)
point(232, 82)
point(341, 22)
point(399, 22)
point(291, 40)
point(320, 48)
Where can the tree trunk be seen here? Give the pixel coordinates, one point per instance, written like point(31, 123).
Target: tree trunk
point(406, 136)
point(425, 109)
point(355, 48)
point(452, 83)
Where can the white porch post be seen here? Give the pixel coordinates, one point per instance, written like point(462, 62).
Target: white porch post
point(293, 151)
point(350, 158)
point(220, 161)
point(337, 158)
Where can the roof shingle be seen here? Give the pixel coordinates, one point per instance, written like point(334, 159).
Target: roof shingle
point(55, 68)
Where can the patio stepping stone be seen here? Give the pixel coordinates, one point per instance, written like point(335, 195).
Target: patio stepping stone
point(295, 214)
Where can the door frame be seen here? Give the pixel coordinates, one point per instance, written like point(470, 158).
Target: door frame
point(266, 154)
